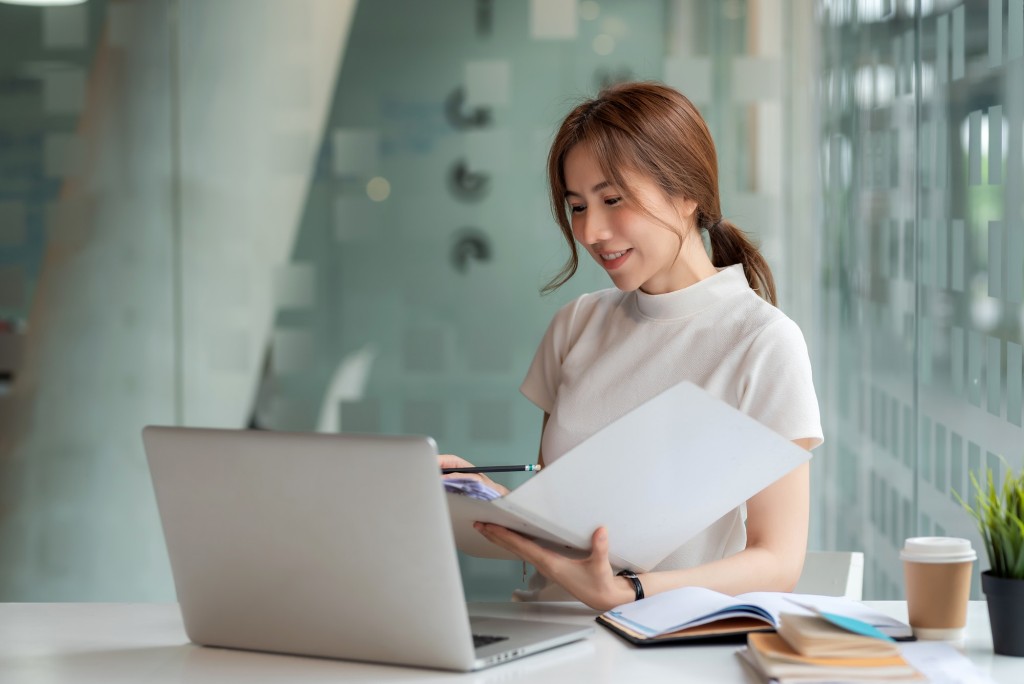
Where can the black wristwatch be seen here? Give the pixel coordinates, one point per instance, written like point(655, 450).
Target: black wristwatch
point(635, 581)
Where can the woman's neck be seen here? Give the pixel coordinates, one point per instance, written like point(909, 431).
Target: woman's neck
point(692, 265)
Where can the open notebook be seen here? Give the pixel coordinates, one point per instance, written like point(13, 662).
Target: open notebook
point(696, 613)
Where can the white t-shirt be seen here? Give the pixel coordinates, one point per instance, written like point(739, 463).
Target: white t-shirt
point(607, 352)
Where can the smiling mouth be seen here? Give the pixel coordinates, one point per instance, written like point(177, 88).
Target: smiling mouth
point(613, 260)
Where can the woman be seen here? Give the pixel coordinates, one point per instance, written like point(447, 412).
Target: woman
point(634, 182)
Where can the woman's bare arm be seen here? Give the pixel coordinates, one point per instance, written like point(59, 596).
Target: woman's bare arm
point(540, 449)
point(777, 522)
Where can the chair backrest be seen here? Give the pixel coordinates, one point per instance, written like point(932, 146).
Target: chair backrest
point(833, 573)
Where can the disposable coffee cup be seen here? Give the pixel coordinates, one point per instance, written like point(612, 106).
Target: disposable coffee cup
point(937, 575)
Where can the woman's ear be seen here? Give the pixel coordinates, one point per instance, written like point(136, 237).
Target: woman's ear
point(686, 208)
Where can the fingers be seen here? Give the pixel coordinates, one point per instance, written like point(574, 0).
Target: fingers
point(466, 476)
point(529, 551)
point(599, 546)
point(588, 579)
point(452, 461)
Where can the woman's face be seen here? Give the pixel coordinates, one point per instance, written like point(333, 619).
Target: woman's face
point(636, 251)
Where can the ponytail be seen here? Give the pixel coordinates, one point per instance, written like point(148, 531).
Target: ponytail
point(730, 245)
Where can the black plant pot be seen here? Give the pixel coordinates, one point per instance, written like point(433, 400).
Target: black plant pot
point(1005, 599)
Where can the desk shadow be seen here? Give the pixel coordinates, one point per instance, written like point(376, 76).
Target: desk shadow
point(527, 610)
point(205, 664)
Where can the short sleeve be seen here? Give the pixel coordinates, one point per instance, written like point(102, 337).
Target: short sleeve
point(777, 388)
point(545, 374)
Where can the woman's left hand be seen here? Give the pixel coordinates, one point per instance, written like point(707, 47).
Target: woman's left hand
point(590, 579)
point(453, 461)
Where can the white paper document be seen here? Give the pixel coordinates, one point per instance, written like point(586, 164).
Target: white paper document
point(941, 663)
point(655, 478)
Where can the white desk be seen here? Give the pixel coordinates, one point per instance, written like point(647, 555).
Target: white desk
point(90, 643)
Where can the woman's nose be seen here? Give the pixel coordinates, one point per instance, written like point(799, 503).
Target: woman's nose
point(592, 228)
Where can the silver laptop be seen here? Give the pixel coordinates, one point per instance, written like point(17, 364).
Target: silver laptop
point(337, 546)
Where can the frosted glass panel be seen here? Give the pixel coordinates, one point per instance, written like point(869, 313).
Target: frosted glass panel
point(553, 19)
point(955, 362)
point(65, 27)
point(86, 333)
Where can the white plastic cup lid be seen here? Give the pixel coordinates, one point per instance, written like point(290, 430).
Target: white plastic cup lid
point(937, 550)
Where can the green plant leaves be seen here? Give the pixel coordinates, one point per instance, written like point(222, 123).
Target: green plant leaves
point(999, 514)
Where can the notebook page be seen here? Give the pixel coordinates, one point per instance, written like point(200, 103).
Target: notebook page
point(679, 608)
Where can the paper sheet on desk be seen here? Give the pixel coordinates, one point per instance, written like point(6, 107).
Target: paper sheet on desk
point(941, 663)
point(655, 478)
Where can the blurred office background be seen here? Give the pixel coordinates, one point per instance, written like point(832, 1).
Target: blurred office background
point(331, 215)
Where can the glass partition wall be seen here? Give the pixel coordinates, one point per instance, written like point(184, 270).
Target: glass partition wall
point(920, 372)
point(87, 278)
point(327, 215)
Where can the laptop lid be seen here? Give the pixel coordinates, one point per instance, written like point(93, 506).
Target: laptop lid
point(321, 544)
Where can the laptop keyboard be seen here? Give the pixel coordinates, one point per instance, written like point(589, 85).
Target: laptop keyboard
point(484, 639)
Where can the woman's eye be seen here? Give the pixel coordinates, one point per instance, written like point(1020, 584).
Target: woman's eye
point(577, 208)
point(612, 201)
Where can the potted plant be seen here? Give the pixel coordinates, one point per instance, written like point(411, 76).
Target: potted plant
point(999, 513)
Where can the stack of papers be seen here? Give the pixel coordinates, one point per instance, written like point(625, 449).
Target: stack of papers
point(774, 660)
point(825, 645)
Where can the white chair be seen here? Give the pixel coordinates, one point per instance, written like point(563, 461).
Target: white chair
point(833, 573)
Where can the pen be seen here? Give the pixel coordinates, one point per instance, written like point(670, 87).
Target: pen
point(531, 468)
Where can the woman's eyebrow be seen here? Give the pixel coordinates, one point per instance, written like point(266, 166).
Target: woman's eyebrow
point(600, 186)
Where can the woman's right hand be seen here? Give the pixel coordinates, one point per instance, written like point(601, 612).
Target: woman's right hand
point(453, 461)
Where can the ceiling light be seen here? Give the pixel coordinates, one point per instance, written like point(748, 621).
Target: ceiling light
point(43, 3)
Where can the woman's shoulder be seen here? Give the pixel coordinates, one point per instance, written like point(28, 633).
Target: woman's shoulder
point(747, 305)
point(583, 312)
point(591, 302)
point(774, 335)
point(756, 319)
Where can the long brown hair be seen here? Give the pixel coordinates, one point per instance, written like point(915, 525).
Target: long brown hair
point(656, 131)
